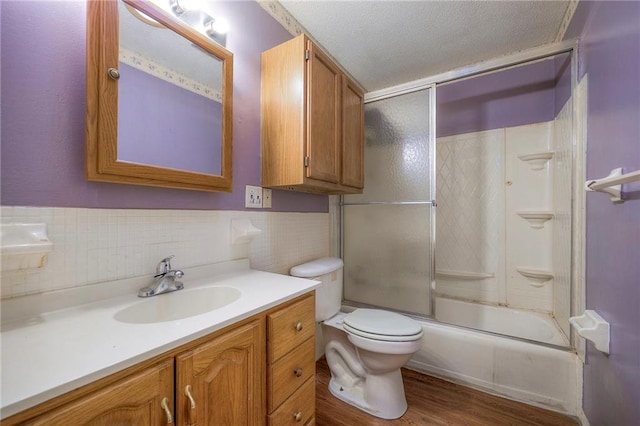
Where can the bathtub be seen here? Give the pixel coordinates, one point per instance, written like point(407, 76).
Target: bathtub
point(538, 375)
point(509, 322)
point(535, 374)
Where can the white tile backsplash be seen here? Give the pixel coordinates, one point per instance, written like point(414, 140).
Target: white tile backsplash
point(98, 245)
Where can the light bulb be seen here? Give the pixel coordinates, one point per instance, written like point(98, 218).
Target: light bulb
point(182, 6)
point(219, 25)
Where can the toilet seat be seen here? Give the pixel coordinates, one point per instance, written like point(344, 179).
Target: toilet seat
point(381, 325)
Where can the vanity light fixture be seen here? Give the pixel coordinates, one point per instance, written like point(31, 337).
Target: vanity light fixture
point(217, 26)
point(143, 17)
point(180, 7)
point(190, 11)
point(217, 30)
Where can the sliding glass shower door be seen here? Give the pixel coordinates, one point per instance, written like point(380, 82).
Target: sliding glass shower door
point(387, 243)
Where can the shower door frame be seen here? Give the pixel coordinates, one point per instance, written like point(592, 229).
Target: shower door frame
point(431, 83)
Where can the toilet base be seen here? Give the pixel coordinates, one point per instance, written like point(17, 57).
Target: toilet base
point(354, 396)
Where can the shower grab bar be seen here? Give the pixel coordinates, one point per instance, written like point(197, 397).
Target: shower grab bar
point(612, 184)
point(389, 203)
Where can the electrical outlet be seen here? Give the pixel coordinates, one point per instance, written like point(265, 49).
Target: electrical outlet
point(266, 198)
point(253, 197)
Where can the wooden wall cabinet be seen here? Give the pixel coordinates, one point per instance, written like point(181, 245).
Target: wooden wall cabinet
point(312, 121)
point(219, 379)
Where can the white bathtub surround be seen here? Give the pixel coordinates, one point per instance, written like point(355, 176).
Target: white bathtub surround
point(101, 245)
point(533, 374)
point(58, 341)
point(564, 216)
point(470, 217)
point(504, 210)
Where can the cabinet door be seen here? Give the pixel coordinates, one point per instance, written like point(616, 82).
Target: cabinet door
point(352, 135)
point(220, 382)
point(324, 83)
point(135, 400)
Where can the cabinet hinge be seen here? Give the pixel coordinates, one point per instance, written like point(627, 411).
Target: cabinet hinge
point(306, 161)
point(307, 54)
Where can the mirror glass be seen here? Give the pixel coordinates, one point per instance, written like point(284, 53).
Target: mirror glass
point(159, 97)
point(169, 98)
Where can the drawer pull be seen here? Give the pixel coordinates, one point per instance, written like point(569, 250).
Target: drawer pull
point(298, 416)
point(187, 392)
point(165, 406)
point(299, 326)
point(298, 372)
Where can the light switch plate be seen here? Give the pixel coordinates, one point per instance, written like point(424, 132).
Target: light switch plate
point(266, 198)
point(253, 197)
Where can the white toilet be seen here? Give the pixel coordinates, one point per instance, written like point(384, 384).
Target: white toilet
point(365, 348)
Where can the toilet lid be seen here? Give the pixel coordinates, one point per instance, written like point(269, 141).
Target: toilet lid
point(382, 325)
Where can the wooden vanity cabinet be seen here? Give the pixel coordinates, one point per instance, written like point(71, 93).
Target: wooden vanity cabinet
point(135, 400)
point(218, 379)
point(220, 382)
point(291, 363)
point(312, 121)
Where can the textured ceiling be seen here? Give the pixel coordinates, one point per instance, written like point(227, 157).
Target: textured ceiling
point(384, 43)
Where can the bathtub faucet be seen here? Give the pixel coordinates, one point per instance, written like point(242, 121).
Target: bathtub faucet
point(165, 280)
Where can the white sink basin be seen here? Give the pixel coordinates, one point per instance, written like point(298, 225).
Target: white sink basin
point(178, 305)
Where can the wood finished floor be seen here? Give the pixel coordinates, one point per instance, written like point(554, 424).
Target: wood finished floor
point(433, 401)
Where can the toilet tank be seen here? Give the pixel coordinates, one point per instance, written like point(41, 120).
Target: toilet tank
point(328, 270)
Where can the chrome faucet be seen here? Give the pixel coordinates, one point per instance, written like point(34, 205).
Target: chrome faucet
point(165, 280)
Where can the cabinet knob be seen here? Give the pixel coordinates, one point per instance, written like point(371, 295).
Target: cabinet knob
point(165, 406)
point(298, 326)
point(113, 73)
point(298, 372)
point(298, 416)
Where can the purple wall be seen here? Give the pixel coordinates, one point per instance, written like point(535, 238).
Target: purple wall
point(43, 113)
point(610, 56)
point(513, 97)
point(562, 87)
point(165, 125)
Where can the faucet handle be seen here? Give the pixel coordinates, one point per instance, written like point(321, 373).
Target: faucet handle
point(164, 266)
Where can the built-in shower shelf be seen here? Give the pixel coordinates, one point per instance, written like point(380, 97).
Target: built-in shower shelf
point(536, 277)
point(536, 219)
point(538, 160)
point(463, 275)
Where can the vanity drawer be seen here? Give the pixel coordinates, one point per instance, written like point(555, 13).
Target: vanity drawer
point(291, 371)
point(289, 327)
point(298, 409)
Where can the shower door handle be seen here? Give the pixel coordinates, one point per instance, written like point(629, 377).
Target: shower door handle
point(433, 203)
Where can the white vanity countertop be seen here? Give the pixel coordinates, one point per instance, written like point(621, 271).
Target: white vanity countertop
point(50, 352)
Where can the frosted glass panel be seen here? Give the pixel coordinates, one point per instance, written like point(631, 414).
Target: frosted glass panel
point(386, 256)
point(396, 149)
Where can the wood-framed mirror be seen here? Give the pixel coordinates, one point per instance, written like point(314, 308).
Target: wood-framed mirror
point(159, 100)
